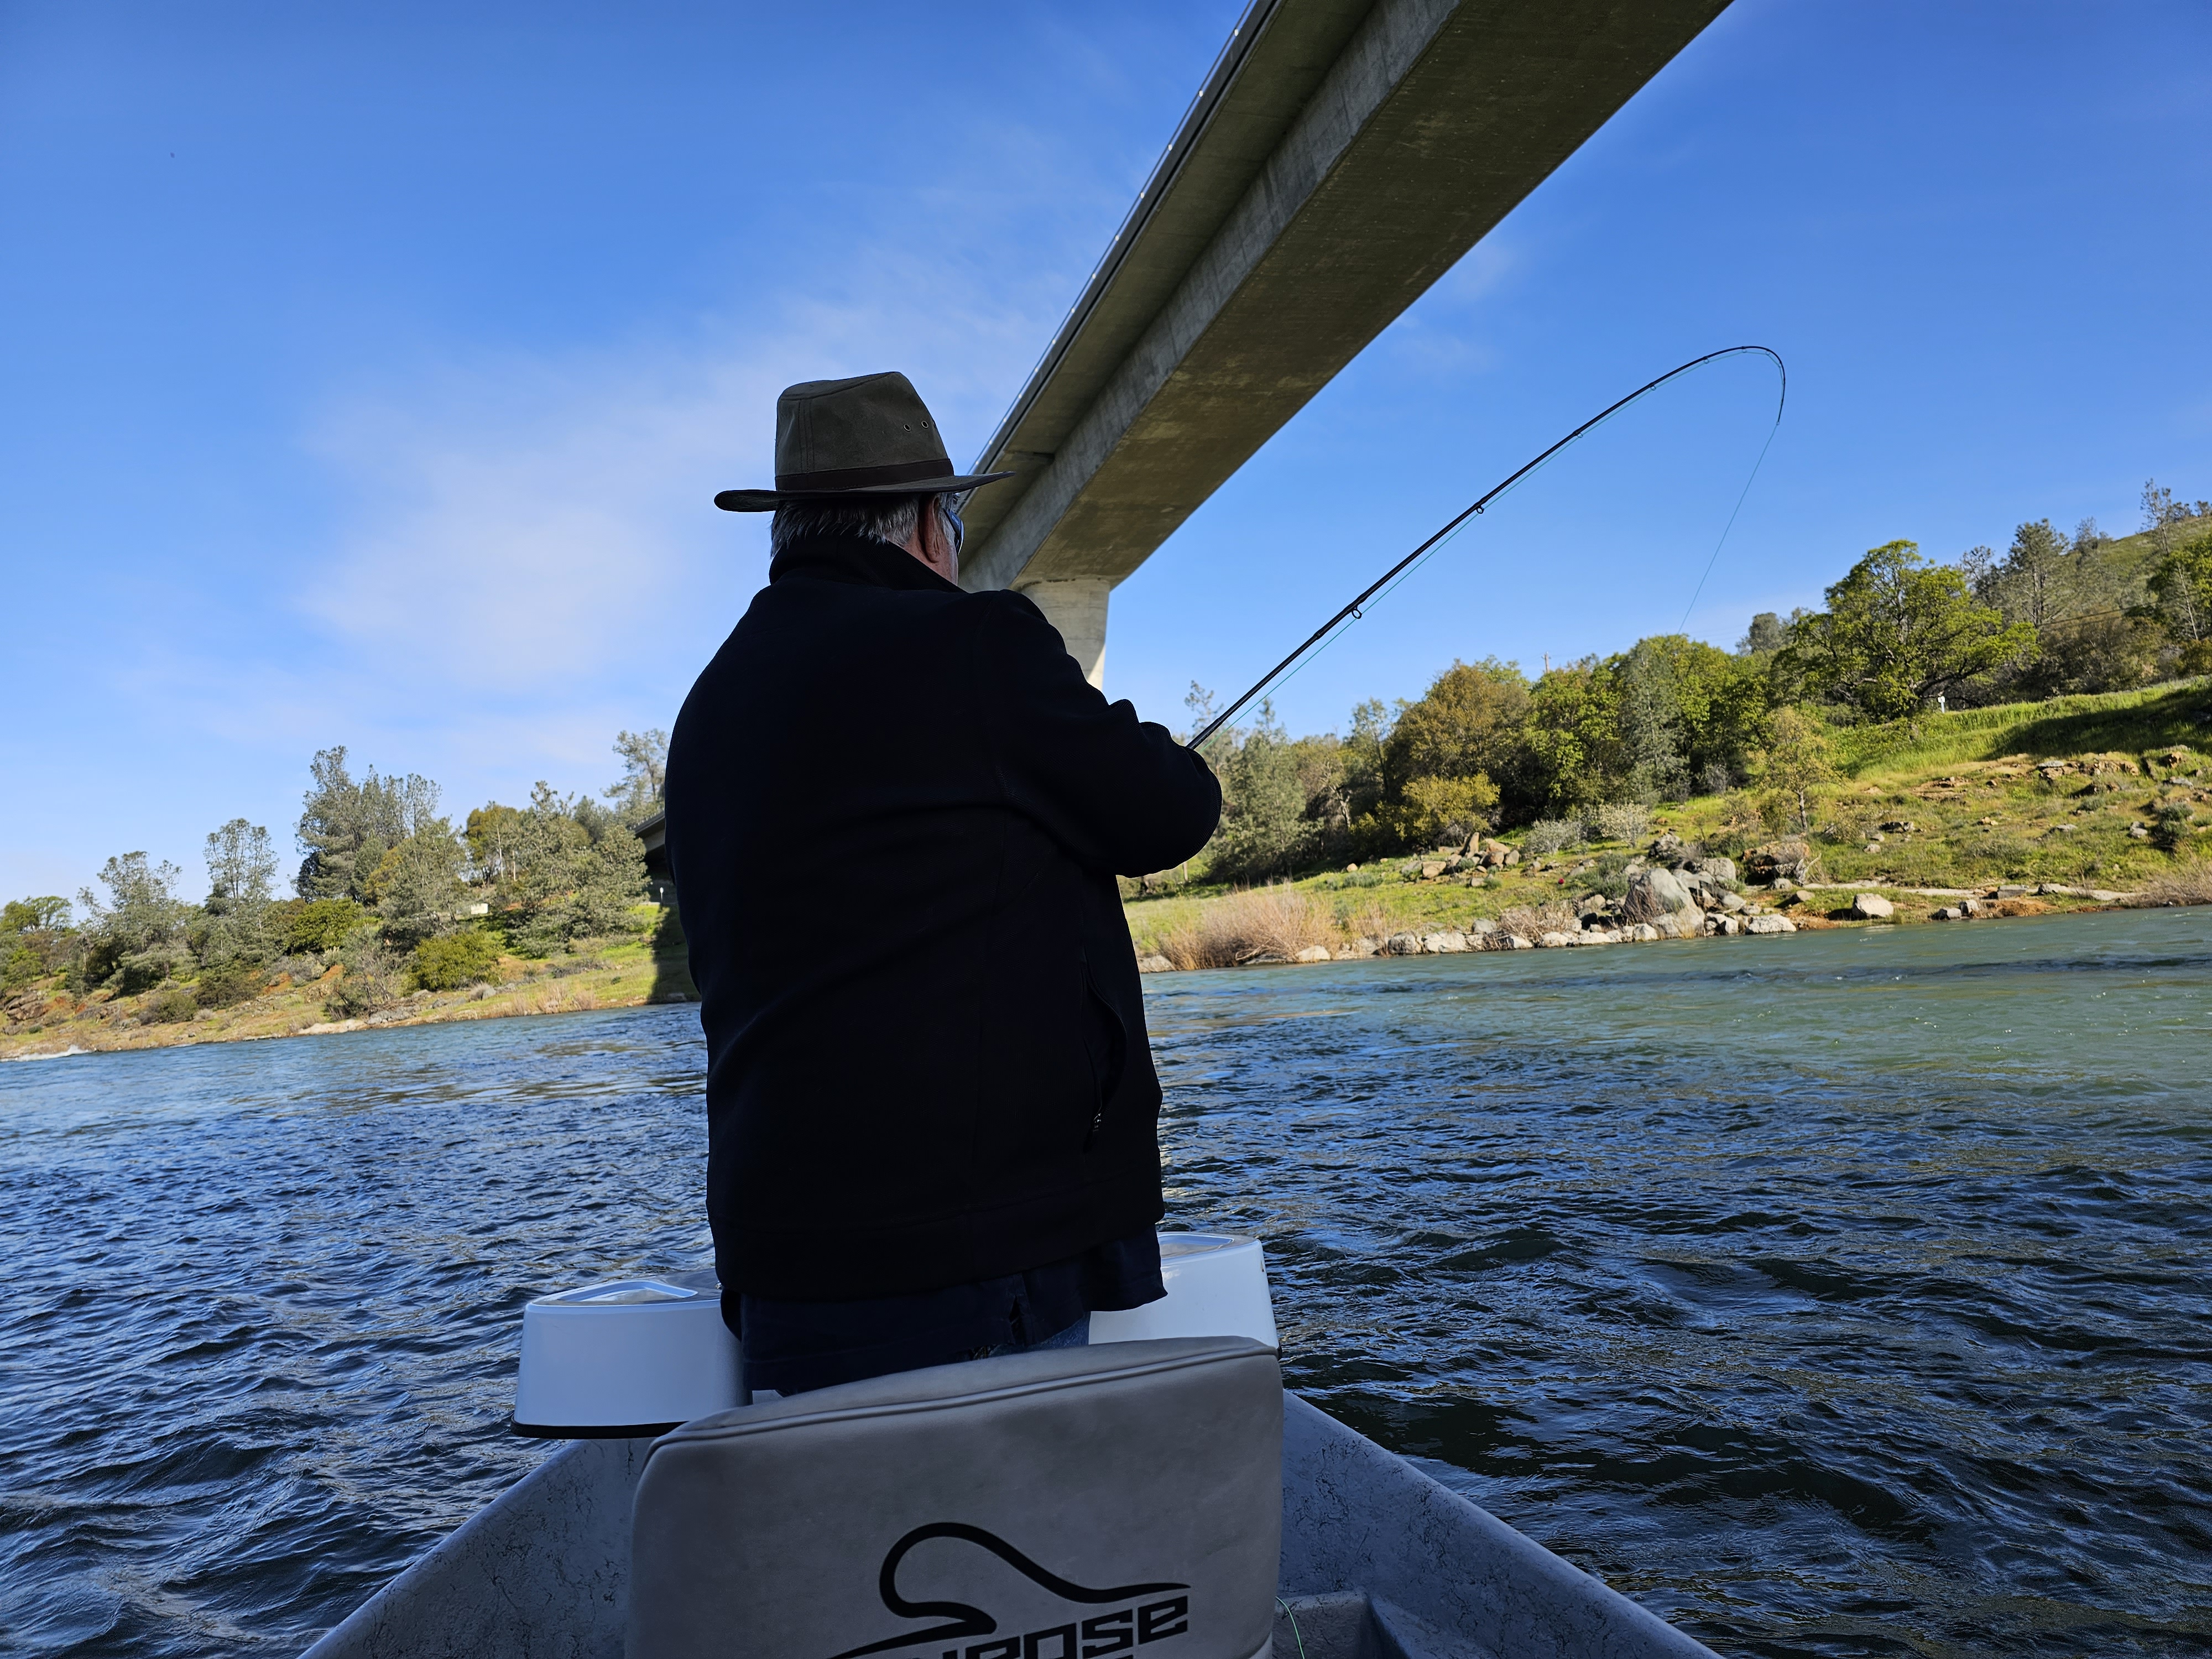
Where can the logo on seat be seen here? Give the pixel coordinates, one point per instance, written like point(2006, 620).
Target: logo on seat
point(1099, 1636)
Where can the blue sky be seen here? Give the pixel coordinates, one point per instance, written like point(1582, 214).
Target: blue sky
point(368, 370)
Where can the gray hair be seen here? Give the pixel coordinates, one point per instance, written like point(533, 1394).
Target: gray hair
point(887, 518)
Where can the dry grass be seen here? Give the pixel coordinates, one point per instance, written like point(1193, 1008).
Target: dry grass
point(1533, 921)
point(1266, 922)
point(2189, 882)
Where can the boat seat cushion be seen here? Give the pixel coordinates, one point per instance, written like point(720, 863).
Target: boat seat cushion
point(1124, 1500)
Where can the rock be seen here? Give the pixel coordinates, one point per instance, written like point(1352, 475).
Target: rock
point(1482, 925)
point(1154, 963)
point(1666, 845)
point(1770, 924)
point(1653, 893)
point(1726, 926)
point(1351, 869)
point(1553, 941)
point(1947, 913)
point(1784, 884)
point(2103, 896)
point(1595, 905)
point(1311, 954)
point(1715, 869)
point(2011, 890)
point(1511, 857)
point(1358, 951)
point(1644, 933)
point(1402, 944)
point(1431, 870)
point(2137, 832)
point(1264, 959)
point(1969, 907)
point(1872, 907)
point(1511, 942)
point(1734, 901)
point(1791, 858)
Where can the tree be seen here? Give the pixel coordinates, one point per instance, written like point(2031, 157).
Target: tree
point(1795, 764)
point(346, 828)
point(558, 884)
point(1467, 723)
point(416, 885)
point(240, 863)
point(645, 775)
point(1765, 635)
point(1897, 631)
point(1264, 827)
point(142, 909)
point(1576, 758)
point(36, 915)
point(2181, 587)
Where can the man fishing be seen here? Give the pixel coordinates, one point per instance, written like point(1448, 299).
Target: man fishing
point(895, 809)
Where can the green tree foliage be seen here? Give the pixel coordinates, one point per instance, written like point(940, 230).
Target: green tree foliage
point(236, 924)
point(320, 925)
point(1898, 631)
point(1265, 828)
point(416, 887)
point(1792, 767)
point(346, 827)
point(645, 775)
point(446, 962)
point(36, 915)
point(2181, 593)
point(558, 882)
point(35, 939)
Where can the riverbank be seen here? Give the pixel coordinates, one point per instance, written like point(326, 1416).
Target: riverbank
point(48, 1023)
point(2077, 803)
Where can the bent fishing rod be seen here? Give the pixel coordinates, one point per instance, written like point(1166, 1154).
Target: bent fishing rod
point(1354, 612)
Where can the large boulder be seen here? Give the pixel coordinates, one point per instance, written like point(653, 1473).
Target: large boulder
point(1715, 869)
point(1770, 924)
point(1655, 893)
point(1788, 861)
point(1872, 907)
point(1402, 944)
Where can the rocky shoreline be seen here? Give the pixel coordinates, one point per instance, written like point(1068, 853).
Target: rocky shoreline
point(1673, 893)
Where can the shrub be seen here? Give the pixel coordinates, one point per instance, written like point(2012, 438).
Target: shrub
point(2189, 882)
point(1625, 820)
point(142, 970)
point(453, 960)
point(1551, 835)
point(1533, 921)
point(370, 981)
point(227, 985)
point(1265, 921)
point(322, 925)
point(170, 1007)
point(2170, 827)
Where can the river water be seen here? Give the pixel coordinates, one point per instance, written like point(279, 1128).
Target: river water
point(1848, 1293)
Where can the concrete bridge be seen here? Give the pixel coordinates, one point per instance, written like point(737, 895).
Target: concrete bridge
point(1341, 157)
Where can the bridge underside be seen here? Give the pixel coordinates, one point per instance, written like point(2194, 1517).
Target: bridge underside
point(1342, 156)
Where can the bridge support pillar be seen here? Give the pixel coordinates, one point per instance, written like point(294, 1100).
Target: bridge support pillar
point(1077, 607)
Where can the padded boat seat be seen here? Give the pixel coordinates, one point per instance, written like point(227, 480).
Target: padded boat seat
point(1074, 1503)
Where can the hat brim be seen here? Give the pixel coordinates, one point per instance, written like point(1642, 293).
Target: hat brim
point(767, 500)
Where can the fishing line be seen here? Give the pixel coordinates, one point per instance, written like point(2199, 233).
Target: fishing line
point(1384, 584)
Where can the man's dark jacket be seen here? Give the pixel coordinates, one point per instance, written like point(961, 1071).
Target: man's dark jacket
point(896, 810)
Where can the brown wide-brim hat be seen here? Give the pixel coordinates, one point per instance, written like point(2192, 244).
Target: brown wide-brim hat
point(867, 436)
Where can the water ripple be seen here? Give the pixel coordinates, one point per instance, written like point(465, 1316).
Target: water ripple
point(1845, 1294)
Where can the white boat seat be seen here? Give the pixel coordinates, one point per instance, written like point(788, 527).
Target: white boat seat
point(1093, 1503)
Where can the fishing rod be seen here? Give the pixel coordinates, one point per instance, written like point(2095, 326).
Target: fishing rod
point(1353, 611)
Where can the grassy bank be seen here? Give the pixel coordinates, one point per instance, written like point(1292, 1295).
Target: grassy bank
point(645, 967)
point(2065, 792)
